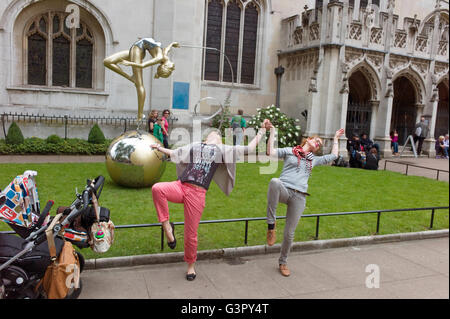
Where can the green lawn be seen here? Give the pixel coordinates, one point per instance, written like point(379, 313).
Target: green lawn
point(333, 189)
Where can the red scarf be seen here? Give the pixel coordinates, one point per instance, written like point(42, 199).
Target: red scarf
point(300, 153)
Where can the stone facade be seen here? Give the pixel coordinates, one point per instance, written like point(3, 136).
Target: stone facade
point(327, 47)
point(339, 58)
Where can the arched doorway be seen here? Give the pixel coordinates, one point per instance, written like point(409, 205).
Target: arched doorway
point(442, 111)
point(403, 108)
point(359, 110)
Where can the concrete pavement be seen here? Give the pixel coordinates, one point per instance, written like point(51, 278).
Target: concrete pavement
point(407, 269)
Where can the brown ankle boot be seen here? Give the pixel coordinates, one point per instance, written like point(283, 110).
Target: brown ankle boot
point(271, 237)
point(285, 270)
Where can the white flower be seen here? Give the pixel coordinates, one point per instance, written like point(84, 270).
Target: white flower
point(297, 120)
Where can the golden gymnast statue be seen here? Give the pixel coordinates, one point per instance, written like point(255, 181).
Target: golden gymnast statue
point(135, 57)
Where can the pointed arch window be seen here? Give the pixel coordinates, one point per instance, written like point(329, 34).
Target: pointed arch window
point(232, 27)
point(56, 55)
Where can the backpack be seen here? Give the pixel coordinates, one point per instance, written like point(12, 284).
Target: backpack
point(236, 122)
point(418, 131)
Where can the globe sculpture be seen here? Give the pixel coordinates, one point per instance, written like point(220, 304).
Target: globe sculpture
point(131, 162)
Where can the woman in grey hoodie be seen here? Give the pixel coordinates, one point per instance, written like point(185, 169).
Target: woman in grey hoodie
point(292, 185)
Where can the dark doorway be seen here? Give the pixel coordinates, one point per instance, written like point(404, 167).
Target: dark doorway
point(359, 110)
point(442, 111)
point(403, 109)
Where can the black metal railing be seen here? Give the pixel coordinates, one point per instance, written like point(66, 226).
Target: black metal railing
point(418, 166)
point(317, 216)
point(67, 120)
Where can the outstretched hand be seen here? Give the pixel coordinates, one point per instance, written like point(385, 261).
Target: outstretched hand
point(339, 133)
point(153, 146)
point(267, 124)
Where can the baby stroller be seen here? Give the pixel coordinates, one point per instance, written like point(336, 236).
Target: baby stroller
point(25, 260)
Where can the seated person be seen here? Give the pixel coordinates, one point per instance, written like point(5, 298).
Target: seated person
point(367, 143)
point(354, 149)
point(372, 159)
point(440, 147)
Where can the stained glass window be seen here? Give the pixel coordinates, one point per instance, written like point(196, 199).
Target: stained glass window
point(37, 65)
point(213, 40)
point(239, 42)
point(232, 40)
point(61, 61)
point(70, 54)
point(249, 44)
point(84, 64)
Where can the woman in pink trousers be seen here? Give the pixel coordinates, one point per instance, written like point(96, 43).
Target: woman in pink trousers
point(197, 165)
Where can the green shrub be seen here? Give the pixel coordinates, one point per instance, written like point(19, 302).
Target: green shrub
point(96, 135)
point(225, 117)
point(288, 129)
point(54, 139)
point(14, 136)
point(36, 145)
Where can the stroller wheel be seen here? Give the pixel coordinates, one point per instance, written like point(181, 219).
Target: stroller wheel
point(81, 260)
point(74, 293)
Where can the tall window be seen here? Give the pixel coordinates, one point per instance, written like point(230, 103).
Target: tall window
point(232, 27)
point(56, 55)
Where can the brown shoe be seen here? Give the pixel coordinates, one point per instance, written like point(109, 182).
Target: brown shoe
point(271, 237)
point(285, 270)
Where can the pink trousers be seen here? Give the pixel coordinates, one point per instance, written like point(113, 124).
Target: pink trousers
point(193, 199)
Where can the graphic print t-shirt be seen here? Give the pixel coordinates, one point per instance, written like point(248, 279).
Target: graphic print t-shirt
point(205, 159)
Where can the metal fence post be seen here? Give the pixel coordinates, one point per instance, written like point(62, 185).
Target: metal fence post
point(246, 233)
point(162, 238)
point(3, 124)
point(65, 126)
point(317, 228)
point(432, 218)
point(378, 222)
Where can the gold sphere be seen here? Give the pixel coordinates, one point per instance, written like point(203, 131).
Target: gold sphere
point(131, 162)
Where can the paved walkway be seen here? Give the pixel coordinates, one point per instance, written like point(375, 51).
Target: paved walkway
point(400, 167)
point(407, 269)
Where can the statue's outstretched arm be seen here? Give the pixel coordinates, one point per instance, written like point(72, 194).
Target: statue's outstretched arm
point(169, 47)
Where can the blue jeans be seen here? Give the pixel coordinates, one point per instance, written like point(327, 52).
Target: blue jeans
point(395, 145)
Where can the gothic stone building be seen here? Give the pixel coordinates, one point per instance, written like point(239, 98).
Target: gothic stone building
point(364, 65)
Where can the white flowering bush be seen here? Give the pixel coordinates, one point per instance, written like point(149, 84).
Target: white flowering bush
point(288, 128)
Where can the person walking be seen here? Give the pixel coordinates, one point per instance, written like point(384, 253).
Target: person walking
point(238, 125)
point(420, 133)
point(197, 165)
point(157, 130)
point(292, 186)
point(394, 142)
point(165, 127)
point(152, 116)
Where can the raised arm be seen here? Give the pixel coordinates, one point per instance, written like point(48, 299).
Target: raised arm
point(261, 132)
point(271, 150)
point(335, 149)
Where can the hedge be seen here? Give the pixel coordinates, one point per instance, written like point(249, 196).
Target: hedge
point(71, 146)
